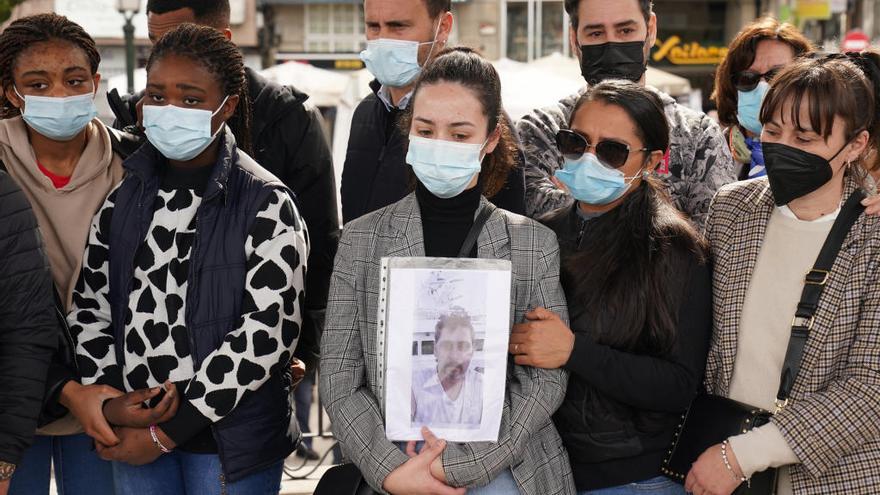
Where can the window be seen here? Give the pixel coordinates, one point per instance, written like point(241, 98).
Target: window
point(535, 29)
point(335, 28)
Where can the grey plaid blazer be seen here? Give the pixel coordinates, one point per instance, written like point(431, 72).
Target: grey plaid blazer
point(528, 442)
point(832, 421)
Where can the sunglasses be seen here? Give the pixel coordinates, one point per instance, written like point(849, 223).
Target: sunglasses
point(611, 153)
point(748, 80)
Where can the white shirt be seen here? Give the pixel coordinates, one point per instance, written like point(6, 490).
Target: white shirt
point(433, 407)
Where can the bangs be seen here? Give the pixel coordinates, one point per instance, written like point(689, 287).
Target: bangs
point(826, 89)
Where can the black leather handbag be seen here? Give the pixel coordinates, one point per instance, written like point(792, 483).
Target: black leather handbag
point(710, 419)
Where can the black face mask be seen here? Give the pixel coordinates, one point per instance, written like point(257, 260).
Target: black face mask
point(794, 173)
point(613, 61)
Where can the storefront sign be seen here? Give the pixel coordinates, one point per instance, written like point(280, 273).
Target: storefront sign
point(677, 52)
point(813, 9)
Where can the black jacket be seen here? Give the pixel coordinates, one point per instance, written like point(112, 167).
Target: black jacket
point(258, 432)
point(28, 325)
point(289, 142)
point(375, 173)
point(621, 406)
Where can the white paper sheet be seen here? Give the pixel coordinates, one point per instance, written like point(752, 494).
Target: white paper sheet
point(455, 384)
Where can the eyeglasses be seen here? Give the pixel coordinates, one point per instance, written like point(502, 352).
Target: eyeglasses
point(612, 153)
point(748, 80)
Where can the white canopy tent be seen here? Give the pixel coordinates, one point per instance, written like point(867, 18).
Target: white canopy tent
point(324, 87)
point(559, 64)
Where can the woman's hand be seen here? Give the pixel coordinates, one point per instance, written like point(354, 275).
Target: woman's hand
point(544, 341)
point(128, 410)
point(872, 205)
point(416, 476)
point(86, 402)
point(297, 372)
point(135, 447)
point(709, 475)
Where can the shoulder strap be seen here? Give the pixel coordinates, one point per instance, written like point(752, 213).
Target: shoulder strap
point(471, 240)
point(814, 284)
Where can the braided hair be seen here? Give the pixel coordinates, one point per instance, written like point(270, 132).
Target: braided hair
point(27, 31)
point(209, 48)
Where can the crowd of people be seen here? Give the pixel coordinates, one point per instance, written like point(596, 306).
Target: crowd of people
point(173, 286)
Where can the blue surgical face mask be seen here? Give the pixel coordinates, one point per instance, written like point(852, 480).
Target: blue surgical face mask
point(60, 119)
point(180, 134)
point(748, 107)
point(444, 167)
point(395, 63)
point(591, 182)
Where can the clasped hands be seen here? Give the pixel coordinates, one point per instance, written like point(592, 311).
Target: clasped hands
point(423, 473)
point(119, 423)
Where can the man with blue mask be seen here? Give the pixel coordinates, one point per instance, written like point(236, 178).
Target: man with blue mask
point(402, 37)
point(613, 39)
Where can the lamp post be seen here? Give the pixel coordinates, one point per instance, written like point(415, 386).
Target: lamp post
point(128, 8)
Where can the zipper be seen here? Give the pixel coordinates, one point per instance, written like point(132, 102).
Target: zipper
point(580, 236)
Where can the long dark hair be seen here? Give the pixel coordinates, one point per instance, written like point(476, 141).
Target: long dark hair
point(466, 67)
point(24, 33)
point(208, 47)
point(630, 272)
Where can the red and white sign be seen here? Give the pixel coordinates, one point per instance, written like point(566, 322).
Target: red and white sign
point(855, 41)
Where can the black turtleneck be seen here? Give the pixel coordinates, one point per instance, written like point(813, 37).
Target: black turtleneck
point(446, 222)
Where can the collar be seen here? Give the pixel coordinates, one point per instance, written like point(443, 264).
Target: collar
point(143, 164)
point(384, 94)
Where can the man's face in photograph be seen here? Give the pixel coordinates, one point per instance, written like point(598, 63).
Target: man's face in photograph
point(454, 350)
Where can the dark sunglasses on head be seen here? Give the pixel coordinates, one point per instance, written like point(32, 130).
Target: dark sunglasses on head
point(612, 153)
point(748, 80)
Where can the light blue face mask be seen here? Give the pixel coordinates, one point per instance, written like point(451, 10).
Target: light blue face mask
point(180, 134)
point(748, 107)
point(444, 167)
point(395, 63)
point(591, 182)
point(59, 119)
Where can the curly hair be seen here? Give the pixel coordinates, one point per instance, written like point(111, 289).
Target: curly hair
point(209, 48)
point(27, 31)
point(742, 55)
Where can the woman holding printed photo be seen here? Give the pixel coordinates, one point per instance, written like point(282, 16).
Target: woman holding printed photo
point(460, 150)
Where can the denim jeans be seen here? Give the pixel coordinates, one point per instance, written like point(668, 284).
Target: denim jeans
point(78, 469)
point(660, 485)
point(503, 484)
point(182, 473)
point(302, 396)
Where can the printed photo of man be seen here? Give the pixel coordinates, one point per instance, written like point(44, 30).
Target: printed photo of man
point(450, 393)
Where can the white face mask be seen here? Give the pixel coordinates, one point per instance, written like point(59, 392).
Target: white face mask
point(444, 167)
point(180, 134)
point(60, 119)
point(395, 63)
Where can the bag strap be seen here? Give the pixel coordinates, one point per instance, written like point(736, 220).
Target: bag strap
point(814, 285)
point(471, 240)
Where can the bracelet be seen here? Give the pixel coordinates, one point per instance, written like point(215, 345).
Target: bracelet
point(741, 479)
point(155, 437)
point(7, 469)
